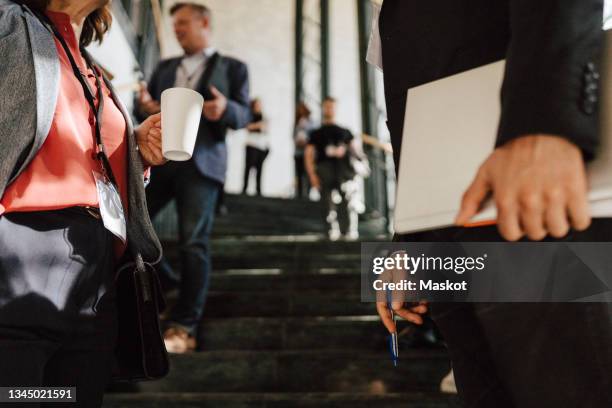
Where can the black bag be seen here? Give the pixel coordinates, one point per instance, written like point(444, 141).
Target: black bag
point(140, 353)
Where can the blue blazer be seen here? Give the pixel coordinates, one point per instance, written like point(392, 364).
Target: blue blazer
point(231, 78)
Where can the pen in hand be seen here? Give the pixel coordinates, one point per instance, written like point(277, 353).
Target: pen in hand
point(393, 346)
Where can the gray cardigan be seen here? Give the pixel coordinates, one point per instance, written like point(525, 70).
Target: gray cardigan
point(29, 86)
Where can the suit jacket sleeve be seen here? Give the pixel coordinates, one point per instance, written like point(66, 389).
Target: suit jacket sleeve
point(238, 112)
point(551, 79)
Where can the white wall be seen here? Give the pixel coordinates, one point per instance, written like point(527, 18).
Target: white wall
point(116, 56)
point(344, 63)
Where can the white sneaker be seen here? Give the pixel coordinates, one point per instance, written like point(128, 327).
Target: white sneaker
point(351, 236)
point(334, 234)
point(448, 386)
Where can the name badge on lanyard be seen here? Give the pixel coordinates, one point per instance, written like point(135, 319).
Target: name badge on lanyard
point(111, 208)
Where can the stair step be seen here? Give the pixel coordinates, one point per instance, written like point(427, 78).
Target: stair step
point(296, 256)
point(336, 301)
point(315, 333)
point(270, 266)
point(280, 400)
point(242, 280)
point(302, 371)
point(281, 246)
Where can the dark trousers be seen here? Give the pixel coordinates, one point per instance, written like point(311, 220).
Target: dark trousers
point(254, 160)
point(196, 198)
point(301, 178)
point(331, 175)
point(525, 355)
point(58, 317)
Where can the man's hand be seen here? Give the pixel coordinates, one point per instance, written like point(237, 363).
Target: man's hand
point(215, 108)
point(412, 312)
point(340, 151)
point(539, 186)
point(400, 300)
point(146, 102)
point(149, 138)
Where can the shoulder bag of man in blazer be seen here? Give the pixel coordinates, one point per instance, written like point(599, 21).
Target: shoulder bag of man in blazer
point(231, 78)
point(29, 86)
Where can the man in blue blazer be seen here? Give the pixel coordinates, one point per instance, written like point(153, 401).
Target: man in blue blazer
point(195, 184)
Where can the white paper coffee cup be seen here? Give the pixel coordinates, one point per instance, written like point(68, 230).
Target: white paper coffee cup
point(181, 110)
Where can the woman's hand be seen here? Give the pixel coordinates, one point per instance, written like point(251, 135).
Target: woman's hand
point(149, 138)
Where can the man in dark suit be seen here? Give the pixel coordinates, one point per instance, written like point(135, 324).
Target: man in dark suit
point(195, 184)
point(516, 355)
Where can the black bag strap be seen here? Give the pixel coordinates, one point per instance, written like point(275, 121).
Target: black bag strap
point(208, 73)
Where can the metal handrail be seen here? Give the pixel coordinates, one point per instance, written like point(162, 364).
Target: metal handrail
point(157, 18)
point(377, 144)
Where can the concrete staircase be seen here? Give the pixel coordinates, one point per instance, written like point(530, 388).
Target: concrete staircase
point(284, 326)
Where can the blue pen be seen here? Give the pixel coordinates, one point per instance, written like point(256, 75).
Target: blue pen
point(393, 346)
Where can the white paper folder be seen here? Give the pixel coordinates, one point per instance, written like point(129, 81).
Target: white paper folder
point(450, 128)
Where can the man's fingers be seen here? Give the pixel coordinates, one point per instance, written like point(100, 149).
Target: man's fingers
point(409, 316)
point(579, 212)
point(215, 92)
point(532, 215)
point(385, 316)
point(508, 217)
point(420, 309)
point(473, 197)
point(555, 218)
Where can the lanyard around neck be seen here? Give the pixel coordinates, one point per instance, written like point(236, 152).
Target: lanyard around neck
point(89, 95)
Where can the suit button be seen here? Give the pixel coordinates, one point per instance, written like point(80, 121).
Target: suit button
point(590, 87)
point(591, 76)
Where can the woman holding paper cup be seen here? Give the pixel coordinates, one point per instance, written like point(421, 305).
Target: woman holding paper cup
point(72, 202)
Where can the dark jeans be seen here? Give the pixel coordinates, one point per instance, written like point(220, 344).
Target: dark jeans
point(58, 317)
point(332, 175)
point(254, 160)
point(527, 355)
point(302, 185)
point(196, 198)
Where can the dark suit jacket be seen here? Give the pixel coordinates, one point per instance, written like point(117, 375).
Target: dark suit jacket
point(552, 49)
point(231, 78)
